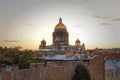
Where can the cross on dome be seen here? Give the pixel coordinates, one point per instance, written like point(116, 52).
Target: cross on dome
point(60, 20)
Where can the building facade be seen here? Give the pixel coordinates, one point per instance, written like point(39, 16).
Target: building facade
point(53, 70)
point(112, 69)
point(60, 43)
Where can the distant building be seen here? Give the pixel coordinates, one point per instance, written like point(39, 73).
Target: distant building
point(60, 42)
point(111, 50)
point(112, 53)
point(112, 69)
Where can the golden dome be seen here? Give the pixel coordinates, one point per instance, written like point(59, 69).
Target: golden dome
point(60, 25)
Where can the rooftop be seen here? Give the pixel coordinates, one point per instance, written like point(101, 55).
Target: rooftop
point(65, 57)
point(112, 64)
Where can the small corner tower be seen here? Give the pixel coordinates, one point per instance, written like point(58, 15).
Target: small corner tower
point(83, 47)
point(43, 44)
point(77, 42)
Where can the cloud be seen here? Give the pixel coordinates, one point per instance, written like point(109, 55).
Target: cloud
point(101, 17)
point(116, 19)
point(11, 41)
point(105, 24)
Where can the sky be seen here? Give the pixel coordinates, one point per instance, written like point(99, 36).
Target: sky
point(26, 22)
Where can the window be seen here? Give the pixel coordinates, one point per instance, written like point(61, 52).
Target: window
point(107, 75)
point(116, 74)
point(112, 74)
point(119, 74)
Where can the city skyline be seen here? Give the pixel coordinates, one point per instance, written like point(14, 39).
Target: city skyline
point(25, 23)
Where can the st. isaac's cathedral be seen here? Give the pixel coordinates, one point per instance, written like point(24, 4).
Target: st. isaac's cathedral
point(60, 43)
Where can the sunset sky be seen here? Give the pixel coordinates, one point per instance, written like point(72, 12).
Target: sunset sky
point(26, 22)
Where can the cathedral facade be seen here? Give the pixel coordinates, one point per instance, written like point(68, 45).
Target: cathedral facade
point(60, 43)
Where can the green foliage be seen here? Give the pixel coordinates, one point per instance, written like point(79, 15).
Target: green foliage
point(12, 55)
point(21, 58)
point(24, 59)
point(81, 73)
point(1, 60)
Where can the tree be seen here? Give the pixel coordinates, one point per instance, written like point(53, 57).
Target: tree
point(21, 58)
point(12, 55)
point(25, 59)
point(81, 73)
